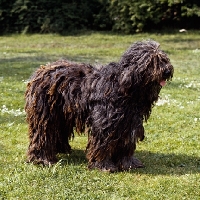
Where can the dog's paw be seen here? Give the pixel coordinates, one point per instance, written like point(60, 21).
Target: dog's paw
point(105, 166)
point(40, 161)
point(128, 163)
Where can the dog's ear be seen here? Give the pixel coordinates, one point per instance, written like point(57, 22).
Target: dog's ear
point(128, 79)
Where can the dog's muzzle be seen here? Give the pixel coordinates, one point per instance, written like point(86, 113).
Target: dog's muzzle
point(166, 74)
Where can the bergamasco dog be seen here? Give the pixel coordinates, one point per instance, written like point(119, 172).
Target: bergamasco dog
point(111, 102)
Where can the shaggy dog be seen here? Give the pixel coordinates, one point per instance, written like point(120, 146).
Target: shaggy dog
point(111, 102)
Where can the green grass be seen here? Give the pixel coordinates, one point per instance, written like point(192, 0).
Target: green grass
point(170, 151)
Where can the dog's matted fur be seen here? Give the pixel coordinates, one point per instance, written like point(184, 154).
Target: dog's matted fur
point(111, 102)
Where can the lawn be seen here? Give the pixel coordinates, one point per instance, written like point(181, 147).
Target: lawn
point(170, 151)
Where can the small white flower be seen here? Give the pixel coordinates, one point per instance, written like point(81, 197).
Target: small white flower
point(196, 51)
point(193, 84)
point(25, 81)
point(163, 100)
point(16, 113)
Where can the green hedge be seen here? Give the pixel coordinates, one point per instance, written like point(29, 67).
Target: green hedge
point(48, 16)
point(134, 15)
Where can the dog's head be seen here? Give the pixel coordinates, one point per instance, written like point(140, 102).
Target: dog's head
point(144, 63)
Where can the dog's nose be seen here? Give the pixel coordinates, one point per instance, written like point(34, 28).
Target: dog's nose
point(166, 74)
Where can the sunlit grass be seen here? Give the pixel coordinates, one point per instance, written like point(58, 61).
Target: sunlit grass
point(170, 151)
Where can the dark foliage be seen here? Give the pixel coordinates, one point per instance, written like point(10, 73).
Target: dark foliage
point(56, 16)
point(110, 102)
point(53, 16)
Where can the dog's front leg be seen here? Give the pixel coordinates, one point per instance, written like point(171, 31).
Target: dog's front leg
point(128, 161)
point(99, 155)
point(103, 139)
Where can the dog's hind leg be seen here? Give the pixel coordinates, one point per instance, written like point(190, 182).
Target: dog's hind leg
point(41, 149)
point(48, 135)
point(44, 145)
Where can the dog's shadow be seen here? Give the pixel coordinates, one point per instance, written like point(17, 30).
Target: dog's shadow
point(155, 163)
point(167, 164)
